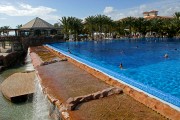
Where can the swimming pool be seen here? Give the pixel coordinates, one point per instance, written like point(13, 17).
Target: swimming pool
point(144, 65)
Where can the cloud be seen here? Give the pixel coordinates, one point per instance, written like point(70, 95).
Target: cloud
point(3, 18)
point(28, 10)
point(165, 8)
point(113, 13)
point(108, 10)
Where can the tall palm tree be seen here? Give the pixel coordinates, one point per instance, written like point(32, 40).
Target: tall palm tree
point(75, 26)
point(103, 23)
point(90, 25)
point(98, 23)
point(119, 28)
point(176, 22)
point(108, 26)
point(71, 25)
point(175, 25)
point(129, 23)
point(142, 26)
point(1, 30)
point(176, 15)
point(5, 30)
point(65, 26)
point(19, 26)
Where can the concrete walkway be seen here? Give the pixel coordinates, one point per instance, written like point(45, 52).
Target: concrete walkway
point(63, 80)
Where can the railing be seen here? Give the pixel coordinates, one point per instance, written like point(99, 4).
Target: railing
point(31, 41)
point(36, 41)
point(9, 38)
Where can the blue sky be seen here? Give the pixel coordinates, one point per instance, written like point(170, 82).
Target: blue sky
point(15, 12)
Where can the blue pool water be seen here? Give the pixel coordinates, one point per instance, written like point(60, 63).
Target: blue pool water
point(143, 63)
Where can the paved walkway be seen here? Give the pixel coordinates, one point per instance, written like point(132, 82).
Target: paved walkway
point(63, 80)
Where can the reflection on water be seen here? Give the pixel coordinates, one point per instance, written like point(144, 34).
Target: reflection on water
point(34, 109)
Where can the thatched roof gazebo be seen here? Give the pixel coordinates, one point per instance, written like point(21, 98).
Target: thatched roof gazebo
point(37, 23)
point(37, 27)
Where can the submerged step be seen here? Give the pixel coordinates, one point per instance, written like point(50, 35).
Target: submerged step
point(19, 86)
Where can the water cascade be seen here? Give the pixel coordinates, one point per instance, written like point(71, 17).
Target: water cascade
point(35, 108)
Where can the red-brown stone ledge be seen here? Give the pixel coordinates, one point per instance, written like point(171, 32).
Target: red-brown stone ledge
point(150, 102)
point(36, 61)
point(71, 103)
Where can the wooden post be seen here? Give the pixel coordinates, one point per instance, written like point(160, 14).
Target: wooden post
point(12, 46)
point(3, 44)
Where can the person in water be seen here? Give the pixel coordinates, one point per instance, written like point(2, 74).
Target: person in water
point(166, 55)
point(121, 66)
point(69, 51)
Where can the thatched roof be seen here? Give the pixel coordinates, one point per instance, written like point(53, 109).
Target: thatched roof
point(37, 23)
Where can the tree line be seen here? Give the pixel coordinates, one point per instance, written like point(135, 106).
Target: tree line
point(129, 26)
point(105, 27)
point(4, 30)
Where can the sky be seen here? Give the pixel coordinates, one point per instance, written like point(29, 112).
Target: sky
point(16, 12)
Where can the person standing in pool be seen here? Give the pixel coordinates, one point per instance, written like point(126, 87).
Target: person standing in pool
point(69, 50)
point(121, 66)
point(166, 55)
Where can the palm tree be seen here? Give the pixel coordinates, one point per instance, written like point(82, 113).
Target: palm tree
point(176, 15)
point(19, 26)
point(65, 25)
point(108, 26)
point(176, 22)
point(71, 25)
point(119, 28)
point(103, 23)
point(142, 26)
point(1, 30)
point(175, 27)
point(56, 25)
point(155, 26)
point(5, 30)
point(129, 23)
point(98, 23)
point(75, 25)
point(90, 25)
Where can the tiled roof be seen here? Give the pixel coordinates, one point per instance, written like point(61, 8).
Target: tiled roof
point(153, 11)
point(37, 23)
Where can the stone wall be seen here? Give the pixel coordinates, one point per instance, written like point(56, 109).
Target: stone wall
point(150, 102)
point(11, 59)
point(37, 41)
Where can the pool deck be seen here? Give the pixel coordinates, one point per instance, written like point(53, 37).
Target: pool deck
point(62, 80)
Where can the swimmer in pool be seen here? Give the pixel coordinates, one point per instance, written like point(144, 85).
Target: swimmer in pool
point(166, 55)
point(69, 51)
point(121, 66)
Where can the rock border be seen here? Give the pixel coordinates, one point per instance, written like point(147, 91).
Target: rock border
point(71, 103)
